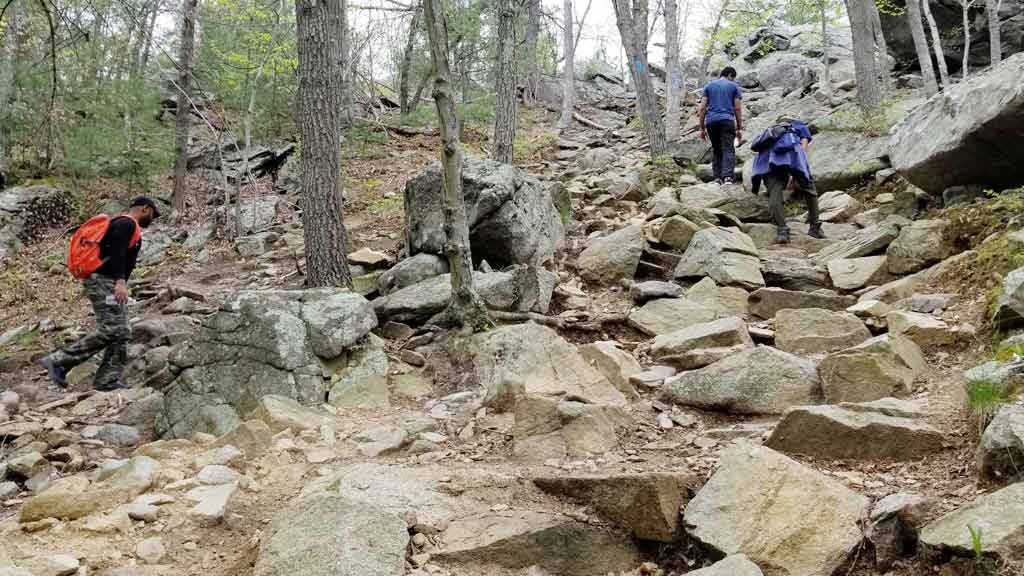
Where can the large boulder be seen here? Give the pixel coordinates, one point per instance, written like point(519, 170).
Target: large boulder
point(947, 141)
point(841, 159)
point(1001, 450)
point(799, 274)
point(27, 211)
point(548, 428)
point(520, 288)
point(918, 246)
point(923, 329)
point(511, 217)
point(702, 344)
point(412, 271)
point(732, 200)
point(999, 517)
point(866, 242)
point(881, 367)
point(759, 380)
point(778, 512)
point(726, 255)
point(616, 364)
point(816, 331)
point(645, 504)
point(666, 315)
point(259, 343)
point(856, 273)
point(327, 533)
point(539, 358)
point(611, 258)
point(1010, 306)
point(837, 206)
point(855, 433)
point(790, 72)
point(767, 302)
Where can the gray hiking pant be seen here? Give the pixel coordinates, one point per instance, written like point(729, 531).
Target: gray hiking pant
point(111, 335)
point(776, 182)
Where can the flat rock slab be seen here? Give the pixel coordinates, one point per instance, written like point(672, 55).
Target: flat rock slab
point(878, 368)
point(923, 329)
point(693, 347)
point(647, 505)
point(608, 259)
point(766, 302)
point(726, 255)
point(643, 291)
point(759, 380)
point(817, 331)
point(999, 516)
point(735, 565)
point(866, 242)
point(856, 273)
point(521, 538)
point(778, 512)
point(281, 413)
point(838, 432)
point(666, 315)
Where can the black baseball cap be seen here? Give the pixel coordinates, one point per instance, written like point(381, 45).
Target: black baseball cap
point(147, 202)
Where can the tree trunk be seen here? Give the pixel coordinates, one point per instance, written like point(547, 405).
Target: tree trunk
point(144, 57)
point(869, 92)
point(410, 45)
point(632, 24)
point(183, 116)
point(465, 309)
point(826, 48)
point(994, 37)
point(706, 61)
point(568, 65)
point(8, 59)
point(418, 95)
point(346, 62)
point(505, 85)
point(884, 67)
point(672, 64)
point(921, 45)
point(965, 68)
point(532, 65)
point(323, 227)
point(940, 56)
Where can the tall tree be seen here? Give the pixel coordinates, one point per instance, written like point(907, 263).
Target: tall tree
point(466, 309)
point(631, 17)
point(884, 66)
point(323, 228)
point(995, 41)
point(183, 115)
point(532, 62)
point(403, 73)
point(940, 54)
point(826, 47)
point(709, 50)
point(505, 84)
point(568, 65)
point(916, 22)
point(865, 64)
point(8, 60)
point(672, 65)
point(965, 6)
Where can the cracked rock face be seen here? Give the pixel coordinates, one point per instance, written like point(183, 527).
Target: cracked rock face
point(259, 343)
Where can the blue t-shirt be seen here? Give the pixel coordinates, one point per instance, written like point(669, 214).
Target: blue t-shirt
point(720, 96)
point(786, 153)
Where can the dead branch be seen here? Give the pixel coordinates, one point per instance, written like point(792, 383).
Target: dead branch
point(587, 122)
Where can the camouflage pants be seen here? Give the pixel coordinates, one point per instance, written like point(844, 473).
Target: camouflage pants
point(111, 335)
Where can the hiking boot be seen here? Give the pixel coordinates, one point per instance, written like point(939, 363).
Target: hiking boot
point(815, 231)
point(727, 182)
point(783, 236)
point(58, 374)
point(114, 386)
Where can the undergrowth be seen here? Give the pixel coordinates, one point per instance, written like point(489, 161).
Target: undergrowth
point(984, 398)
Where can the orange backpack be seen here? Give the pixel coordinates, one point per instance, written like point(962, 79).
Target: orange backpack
point(84, 253)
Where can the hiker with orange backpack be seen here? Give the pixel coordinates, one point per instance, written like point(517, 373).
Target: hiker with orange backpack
point(102, 254)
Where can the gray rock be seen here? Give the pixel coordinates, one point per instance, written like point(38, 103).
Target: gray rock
point(653, 377)
point(328, 534)
point(15, 206)
point(8, 490)
point(702, 344)
point(666, 315)
point(51, 565)
point(26, 465)
point(611, 258)
point(257, 216)
point(616, 364)
point(878, 368)
point(652, 289)
point(1001, 450)
point(893, 527)
point(727, 256)
point(541, 359)
point(866, 242)
point(856, 273)
point(155, 244)
point(256, 244)
point(999, 516)
point(838, 432)
point(837, 206)
point(143, 512)
point(363, 384)
point(907, 286)
point(918, 246)
point(645, 504)
point(335, 321)
point(726, 300)
point(790, 72)
point(959, 121)
point(844, 158)
point(381, 440)
point(1011, 301)
point(815, 331)
point(212, 502)
point(252, 437)
point(798, 274)
point(411, 271)
point(732, 200)
point(767, 302)
point(735, 565)
point(677, 232)
point(928, 303)
point(759, 380)
point(214, 475)
point(547, 428)
point(151, 550)
point(119, 435)
point(281, 413)
point(511, 217)
point(808, 523)
point(923, 329)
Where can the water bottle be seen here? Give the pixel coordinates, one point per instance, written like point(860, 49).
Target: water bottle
point(111, 301)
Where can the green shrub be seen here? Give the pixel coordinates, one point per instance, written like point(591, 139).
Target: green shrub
point(984, 397)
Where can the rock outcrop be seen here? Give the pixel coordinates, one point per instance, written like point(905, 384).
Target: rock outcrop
point(1000, 453)
point(877, 368)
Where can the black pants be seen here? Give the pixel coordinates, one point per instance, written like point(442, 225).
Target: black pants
point(723, 157)
point(776, 182)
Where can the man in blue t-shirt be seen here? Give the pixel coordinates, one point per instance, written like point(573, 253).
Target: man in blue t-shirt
point(721, 118)
point(785, 164)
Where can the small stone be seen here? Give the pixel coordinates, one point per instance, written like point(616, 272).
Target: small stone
point(665, 421)
point(190, 546)
point(212, 502)
point(143, 512)
point(419, 540)
point(27, 465)
point(370, 258)
point(319, 455)
point(213, 475)
point(420, 559)
point(704, 442)
point(151, 550)
point(412, 358)
point(90, 432)
point(8, 490)
point(119, 435)
point(223, 456)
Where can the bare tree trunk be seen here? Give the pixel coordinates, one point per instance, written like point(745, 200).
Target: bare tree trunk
point(632, 24)
point(8, 59)
point(706, 61)
point(505, 85)
point(672, 64)
point(151, 27)
point(940, 55)
point(418, 95)
point(183, 117)
point(568, 65)
point(826, 48)
point(965, 68)
point(532, 65)
point(410, 45)
point(921, 45)
point(884, 67)
point(318, 37)
point(995, 48)
point(465, 309)
point(866, 66)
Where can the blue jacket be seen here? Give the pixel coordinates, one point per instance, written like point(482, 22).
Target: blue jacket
point(786, 154)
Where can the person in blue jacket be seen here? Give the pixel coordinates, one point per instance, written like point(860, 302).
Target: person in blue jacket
point(783, 165)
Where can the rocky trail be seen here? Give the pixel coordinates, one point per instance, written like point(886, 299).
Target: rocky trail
point(665, 391)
